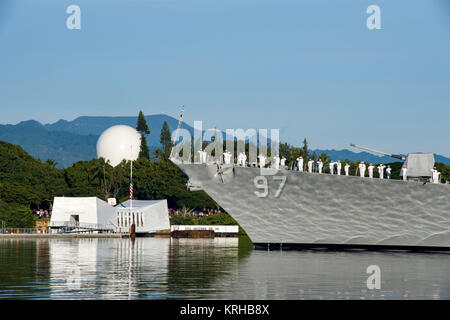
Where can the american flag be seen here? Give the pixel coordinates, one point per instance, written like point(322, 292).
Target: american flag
point(131, 189)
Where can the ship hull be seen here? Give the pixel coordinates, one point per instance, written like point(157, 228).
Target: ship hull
point(329, 211)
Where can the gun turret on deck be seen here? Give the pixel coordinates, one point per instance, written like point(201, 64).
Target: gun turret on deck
point(419, 165)
point(379, 152)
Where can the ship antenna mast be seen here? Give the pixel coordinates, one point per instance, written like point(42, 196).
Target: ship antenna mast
point(180, 121)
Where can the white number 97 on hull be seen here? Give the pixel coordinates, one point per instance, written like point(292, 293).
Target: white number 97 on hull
point(262, 184)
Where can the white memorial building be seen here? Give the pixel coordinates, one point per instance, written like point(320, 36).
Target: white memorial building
point(149, 216)
point(78, 214)
point(82, 212)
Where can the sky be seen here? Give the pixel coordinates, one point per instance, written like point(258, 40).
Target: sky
point(310, 68)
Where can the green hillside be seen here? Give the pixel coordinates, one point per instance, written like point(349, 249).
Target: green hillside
point(25, 183)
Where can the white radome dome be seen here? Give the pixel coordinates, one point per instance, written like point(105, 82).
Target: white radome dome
point(119, 143)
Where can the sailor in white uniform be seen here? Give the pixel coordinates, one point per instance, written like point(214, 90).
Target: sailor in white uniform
point(310, 165)
point(244, 159)
point(200, 155)
point(438, 176)
point(320, 165)
point(205, 157)
point(370, 169)
point(300, 164)
point(338, 167)
point(435, 175)
point(227, 157)
point(388, 172)
point(283, 162)
point(362, 169)
point(346, 169)
point(331, 165)
point(276, 162)
point(262, 161)
point(381, 171)
point(404, 173)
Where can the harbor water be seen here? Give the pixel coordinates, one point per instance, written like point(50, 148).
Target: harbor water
point(220, 268)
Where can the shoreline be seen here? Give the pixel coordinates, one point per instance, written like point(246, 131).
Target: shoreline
point(62, 236)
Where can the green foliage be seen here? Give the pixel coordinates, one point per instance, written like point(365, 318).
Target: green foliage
point(144, 151)
point(183, 220)
point(213, 219)
point(396, 167)
point(163, 180)
point(326, 161)
point(13, 192)
point(51, 163)
point(291, 153)
point(142, 127)
point(444, 170)
point(305, 149)
point(25, 180)
point(25, 183)
point(218, 219)
point(16, 215)
point(151, 180)
point(166, 139)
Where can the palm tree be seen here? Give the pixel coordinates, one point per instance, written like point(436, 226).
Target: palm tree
point(325, 159)
point(186, 212)
point(51, 163)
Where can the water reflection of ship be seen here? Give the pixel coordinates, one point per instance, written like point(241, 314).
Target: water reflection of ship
point(317, 274)
point(197, 265)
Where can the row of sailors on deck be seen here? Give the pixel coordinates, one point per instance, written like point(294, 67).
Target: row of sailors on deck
point(338, 164)
point(435, 175)
point(242, 159)
point(277, 162)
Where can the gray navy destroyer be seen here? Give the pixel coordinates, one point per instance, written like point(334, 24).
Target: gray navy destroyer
point(310, 210)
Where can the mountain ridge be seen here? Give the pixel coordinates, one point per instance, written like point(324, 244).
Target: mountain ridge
point(68, 142)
